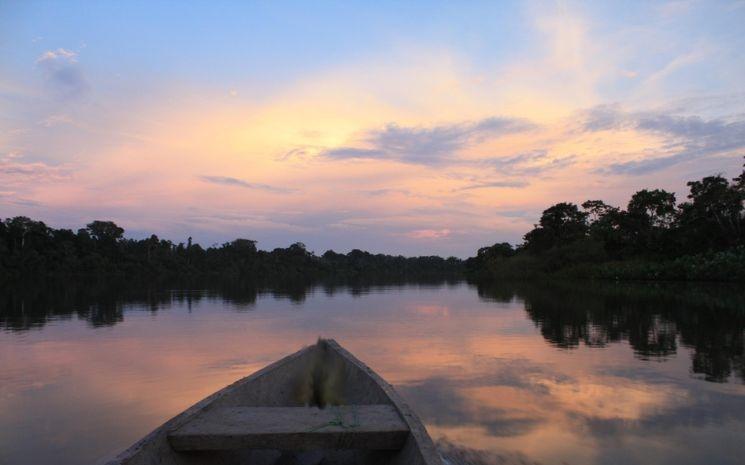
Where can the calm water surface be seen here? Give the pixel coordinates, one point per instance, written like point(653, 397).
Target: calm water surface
point(547, 373)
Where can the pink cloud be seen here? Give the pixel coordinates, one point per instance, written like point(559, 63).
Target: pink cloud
point(14, 170)
point(428, 233)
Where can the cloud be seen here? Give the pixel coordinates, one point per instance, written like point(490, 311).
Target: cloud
point(517, 213)
point(603, 117)
point(228, 181)
point(529, 163)
point(56, 120)
point(353, 152)
point(444, 403)
point(494, 184)
point(258, 221)
point(428, 233)
point(298, 153)
point(386, 191)
point(60, 53)
point(62, 71)
point(10, 198)
point(685, 138)
point(517, 167)
point(427, 145)
point(14, 170)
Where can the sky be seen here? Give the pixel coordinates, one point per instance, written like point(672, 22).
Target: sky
point(411, 128)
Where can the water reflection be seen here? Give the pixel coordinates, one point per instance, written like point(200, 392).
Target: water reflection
point(509, 372)
point(25, 305)
point(651, 317)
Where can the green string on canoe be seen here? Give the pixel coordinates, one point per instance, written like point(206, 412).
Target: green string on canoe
point(339, 420)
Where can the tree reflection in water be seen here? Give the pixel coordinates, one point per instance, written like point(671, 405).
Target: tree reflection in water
point(653, 317)
point(26, 305)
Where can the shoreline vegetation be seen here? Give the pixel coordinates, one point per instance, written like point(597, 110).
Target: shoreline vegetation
point(29, 247)
point(654, 238)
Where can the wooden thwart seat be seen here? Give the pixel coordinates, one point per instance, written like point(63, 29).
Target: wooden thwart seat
point(370, 427)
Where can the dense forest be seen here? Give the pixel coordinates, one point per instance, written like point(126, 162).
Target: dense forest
point(29, 247)
point(653, 238)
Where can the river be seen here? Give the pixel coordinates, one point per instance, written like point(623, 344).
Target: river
point(550, 373)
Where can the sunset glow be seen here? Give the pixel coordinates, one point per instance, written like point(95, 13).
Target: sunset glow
point(413, 129)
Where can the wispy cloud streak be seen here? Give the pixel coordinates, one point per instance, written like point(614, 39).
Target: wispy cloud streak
point(514, 184)
point(13, 169)
point(435, 145)
point(228, 181)
point(529, 163)
point(685, 138)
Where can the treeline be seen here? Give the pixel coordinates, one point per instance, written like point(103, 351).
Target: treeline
point(653, 238)
point(29, 247)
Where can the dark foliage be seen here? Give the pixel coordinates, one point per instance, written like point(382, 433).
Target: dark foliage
point(29, 247)
point(653, 238)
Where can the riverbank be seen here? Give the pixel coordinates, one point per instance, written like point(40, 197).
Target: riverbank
point(725, 266)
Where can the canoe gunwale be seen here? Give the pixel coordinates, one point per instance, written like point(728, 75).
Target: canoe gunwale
point(416, 427)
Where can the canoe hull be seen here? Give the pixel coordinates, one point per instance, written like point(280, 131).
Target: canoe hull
point(277, 385)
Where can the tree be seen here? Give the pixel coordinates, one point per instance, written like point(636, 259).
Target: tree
point(740, 180)
point(241, 245)
point(653, 208)
point(650, 216)
point(597, 209)
point(488, 257)
point(3, 242)
point(608, 227)
point(106, 236)
point(23, 233)
point(565, 221)
point(499, 250)
point(713, 217)
point(739, 187)
point(560, 224)
point(298, 248)
point(105, 231)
